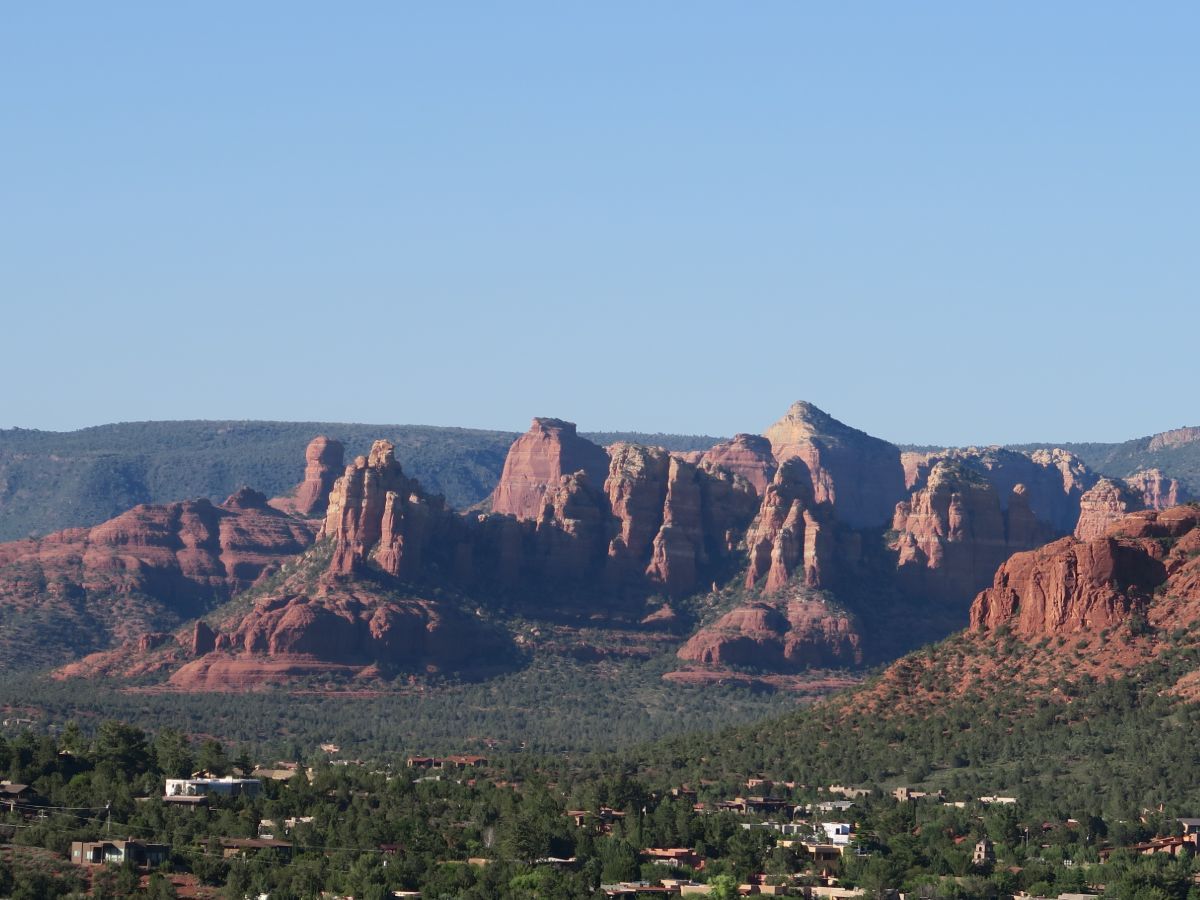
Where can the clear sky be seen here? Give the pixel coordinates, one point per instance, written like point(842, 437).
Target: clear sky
point(941, 222)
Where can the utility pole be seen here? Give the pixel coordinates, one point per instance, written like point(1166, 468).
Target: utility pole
point(108, 813)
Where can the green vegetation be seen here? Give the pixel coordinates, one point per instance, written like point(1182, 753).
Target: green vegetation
point(553, 704)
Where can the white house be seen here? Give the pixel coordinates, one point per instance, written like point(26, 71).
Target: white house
point(222, 787)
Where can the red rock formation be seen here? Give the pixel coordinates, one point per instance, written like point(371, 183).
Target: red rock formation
point(788, 534)
point(673, 518)
point(1175, 438)
point(571, 531)
point(144, 571)
point(804, 633)
point(204, 639)
point(679, 550)
point(859, 475)
point(323, 463)
point(916, 466)
point(748, 455)
point(537, 461)
point(951, 533)
point(1077, 585)
point(971, 509)
point(370, 498)
point(1106, 502)
point(1156, 490)
point(636, 489)
point(338, 624)
point(1065, 471)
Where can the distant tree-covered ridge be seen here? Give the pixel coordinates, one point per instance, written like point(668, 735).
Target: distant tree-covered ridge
point(51, 480)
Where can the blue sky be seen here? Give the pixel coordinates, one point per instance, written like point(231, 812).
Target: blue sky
point(941, 222)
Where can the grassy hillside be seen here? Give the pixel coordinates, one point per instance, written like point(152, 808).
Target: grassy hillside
point(51, 480)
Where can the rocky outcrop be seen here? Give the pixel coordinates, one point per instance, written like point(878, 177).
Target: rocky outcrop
point(789, 534)
point(571, 531)
point(145, 571)
point(748, 455)
point(657, 520)
point(1074, 585)
point(1106, 502)
point(1177, 437)
point(799, 634)
point(356, 626)
point(636, 489)
point(969, 510)
point(957, 527)
point(538, 460)
point(1157, 491)
point(204, 639)
point(323, 462)
point(673, 519)
point(1056, 484)
point(859, 476)
point(679, 550)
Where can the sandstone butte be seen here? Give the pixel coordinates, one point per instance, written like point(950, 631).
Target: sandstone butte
point(806, 509)
point(538, 460)
point(322, 464)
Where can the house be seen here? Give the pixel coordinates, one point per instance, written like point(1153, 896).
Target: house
point(905, 794)
point(849, 792)
point(282, 771)
point(829, 806)
point(985, 852)
point(673, 856)
point(604, 817)
point(820, 853)
point(221, 787)
point(99, 853)
point(465, 761)
point(1004, 801)
point(14, 795)
point(1190, 826)
point(636, 889)
point(769, 806)
point(245, 847)
point(837, 833)
point(461, 761)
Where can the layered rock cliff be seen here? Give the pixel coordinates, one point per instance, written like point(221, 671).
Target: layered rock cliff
point(748, 455)
point(145, 571)
point(797, 634)
point(1156, 490)
point(550, 449)
point(969, 510)
point(859, 476)
point(1106, 502)
point(1072, 585)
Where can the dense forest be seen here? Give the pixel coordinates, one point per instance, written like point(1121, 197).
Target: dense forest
point(1083, 778)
